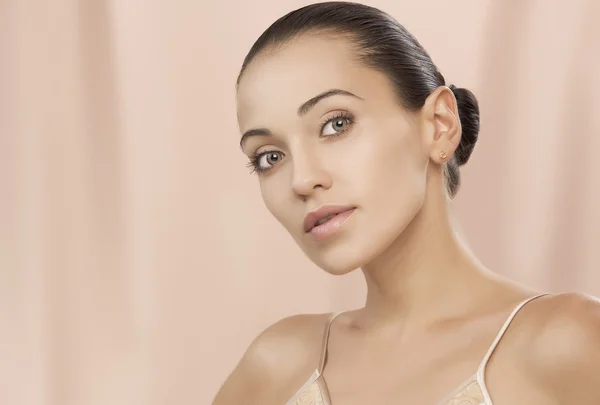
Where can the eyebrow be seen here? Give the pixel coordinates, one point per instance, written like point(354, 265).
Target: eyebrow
point(308, 105)
point(302, 111)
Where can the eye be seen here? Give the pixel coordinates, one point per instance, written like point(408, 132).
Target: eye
point(269, 159)
point(263, 162)
point(336, 125)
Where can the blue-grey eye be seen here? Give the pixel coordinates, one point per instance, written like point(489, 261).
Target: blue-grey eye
point(335, 126)
point(269, 159)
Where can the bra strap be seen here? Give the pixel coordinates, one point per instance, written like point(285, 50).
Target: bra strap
point(511, 317)
point(325, 340)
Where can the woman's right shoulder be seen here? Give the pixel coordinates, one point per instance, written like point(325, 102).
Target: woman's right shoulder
point(277, 362)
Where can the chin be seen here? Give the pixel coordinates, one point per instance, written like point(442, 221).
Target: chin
point(343, 258)
point(359, 242)
point(336, 267)
point(356, 249)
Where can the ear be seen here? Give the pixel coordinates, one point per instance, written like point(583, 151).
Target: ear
point(441, 119)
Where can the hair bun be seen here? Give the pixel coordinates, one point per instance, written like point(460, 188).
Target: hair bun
point(468, 111)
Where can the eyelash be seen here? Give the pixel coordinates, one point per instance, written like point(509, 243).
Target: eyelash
point(253, 165)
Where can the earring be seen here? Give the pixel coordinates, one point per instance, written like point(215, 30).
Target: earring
point(443, 155)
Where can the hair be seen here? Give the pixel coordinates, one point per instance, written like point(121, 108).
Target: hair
point(382, 44)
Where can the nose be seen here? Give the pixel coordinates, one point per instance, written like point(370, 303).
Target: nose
point(309, 175)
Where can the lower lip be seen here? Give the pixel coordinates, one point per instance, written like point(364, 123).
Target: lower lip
point(331, 226)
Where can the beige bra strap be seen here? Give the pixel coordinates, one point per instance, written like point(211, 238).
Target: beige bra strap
point(325, 340)
point(512, 316)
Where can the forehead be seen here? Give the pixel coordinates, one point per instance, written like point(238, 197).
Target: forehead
point(275, 84)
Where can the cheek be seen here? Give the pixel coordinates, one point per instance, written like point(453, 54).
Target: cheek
point(392, 192)
point(274, 195)
point(393, 168)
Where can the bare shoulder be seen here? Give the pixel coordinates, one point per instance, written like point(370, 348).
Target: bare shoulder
point(568, 327)
point(277, 362)
point(564, 351)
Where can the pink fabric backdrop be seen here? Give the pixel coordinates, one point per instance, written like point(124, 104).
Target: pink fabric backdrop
point(136, 258)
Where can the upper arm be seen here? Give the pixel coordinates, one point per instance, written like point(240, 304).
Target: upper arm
point(566, 353)
point(247, 381)
point(275, 363)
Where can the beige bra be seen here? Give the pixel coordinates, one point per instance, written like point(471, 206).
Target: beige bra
point(472, 392)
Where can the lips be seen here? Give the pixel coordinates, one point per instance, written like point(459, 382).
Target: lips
point(323, 214)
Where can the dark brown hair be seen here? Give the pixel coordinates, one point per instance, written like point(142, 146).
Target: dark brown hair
point(385, 45)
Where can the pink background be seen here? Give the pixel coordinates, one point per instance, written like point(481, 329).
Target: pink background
point(136, 258)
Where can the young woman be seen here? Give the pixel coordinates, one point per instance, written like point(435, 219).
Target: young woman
point(357, 142)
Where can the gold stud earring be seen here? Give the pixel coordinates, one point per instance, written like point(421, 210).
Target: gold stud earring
point(443, 155)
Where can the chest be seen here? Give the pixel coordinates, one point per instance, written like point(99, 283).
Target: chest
point(420, 375)
point(442, 384)
point(514, 390)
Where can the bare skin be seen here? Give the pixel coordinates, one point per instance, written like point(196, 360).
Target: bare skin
point(432, 309)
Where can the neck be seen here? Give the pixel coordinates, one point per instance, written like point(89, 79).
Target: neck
point(426, 274)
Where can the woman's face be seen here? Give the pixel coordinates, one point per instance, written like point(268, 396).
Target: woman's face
point(355, 152)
